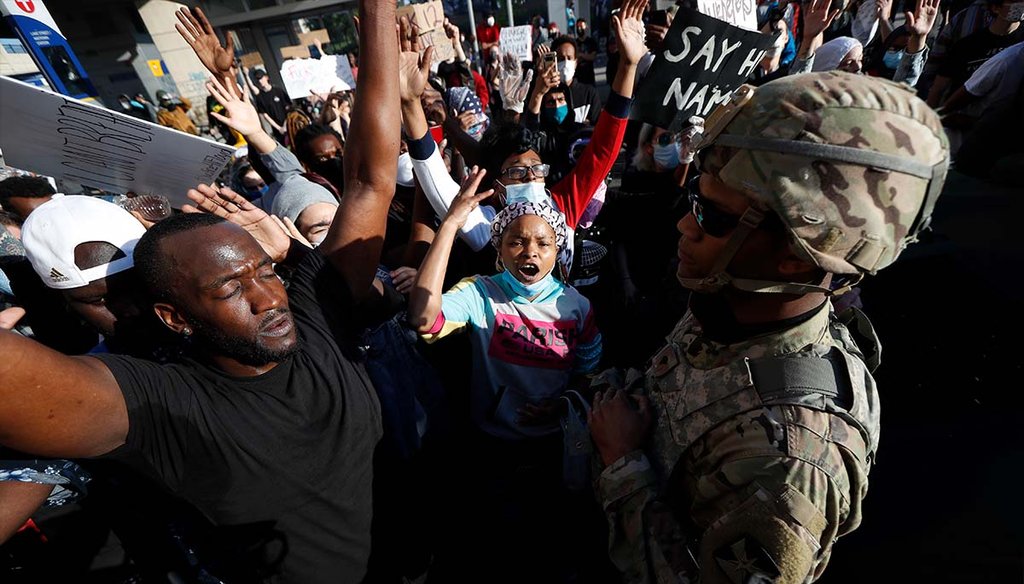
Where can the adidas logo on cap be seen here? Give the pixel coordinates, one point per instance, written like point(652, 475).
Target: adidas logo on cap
point(57, 276)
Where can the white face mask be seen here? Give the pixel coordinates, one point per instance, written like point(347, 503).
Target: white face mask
point(490, 21)
point(405, 176)
point(566, 69)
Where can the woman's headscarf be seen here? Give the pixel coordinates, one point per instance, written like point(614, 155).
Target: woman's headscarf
point(831, 54)
point(542, 209)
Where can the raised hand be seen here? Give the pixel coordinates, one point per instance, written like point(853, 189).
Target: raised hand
point(630, 32)
point(818, 17)
point(241, 115)
point(227, 204)
point(922, 19)
point(468, 198)
point(883, 9)
point(196, 30)
point(513, 85)
point(656, 33)
point(413, 65)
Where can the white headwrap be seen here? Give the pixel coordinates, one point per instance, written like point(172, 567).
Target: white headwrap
point(832, 53)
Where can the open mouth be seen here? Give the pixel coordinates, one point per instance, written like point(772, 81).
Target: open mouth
point(529, 270)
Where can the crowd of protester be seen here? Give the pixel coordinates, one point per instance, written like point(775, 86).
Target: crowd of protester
point(275, 386)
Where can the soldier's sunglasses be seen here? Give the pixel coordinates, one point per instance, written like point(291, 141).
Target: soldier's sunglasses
point(711, 219)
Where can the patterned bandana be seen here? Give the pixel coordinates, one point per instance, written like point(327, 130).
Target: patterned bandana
point(552, 216)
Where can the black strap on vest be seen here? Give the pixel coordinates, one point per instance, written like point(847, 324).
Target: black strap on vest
point(779, 378)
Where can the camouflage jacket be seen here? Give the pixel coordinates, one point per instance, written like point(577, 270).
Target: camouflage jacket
point(734, 483)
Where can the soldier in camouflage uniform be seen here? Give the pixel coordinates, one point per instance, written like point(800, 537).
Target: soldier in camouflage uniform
point(764, 412)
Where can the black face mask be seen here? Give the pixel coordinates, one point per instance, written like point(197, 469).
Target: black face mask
point(332, 169)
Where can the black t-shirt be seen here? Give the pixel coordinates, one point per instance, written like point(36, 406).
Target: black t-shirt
point(583, 95)
point(585, 69)
point(289, 452)
point(971, 52)
point(274, 103)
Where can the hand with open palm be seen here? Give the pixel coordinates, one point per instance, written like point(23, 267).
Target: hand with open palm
point(196, 30)
point(630, 32)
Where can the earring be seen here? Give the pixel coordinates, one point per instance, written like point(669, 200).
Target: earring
point(186, 331)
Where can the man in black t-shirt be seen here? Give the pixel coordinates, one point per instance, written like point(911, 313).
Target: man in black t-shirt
point(270, 427)
point(272, 103)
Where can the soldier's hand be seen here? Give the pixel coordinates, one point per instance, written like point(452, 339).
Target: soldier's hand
point(617, 426)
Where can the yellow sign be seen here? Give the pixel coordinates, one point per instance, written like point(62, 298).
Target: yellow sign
point(157, 67)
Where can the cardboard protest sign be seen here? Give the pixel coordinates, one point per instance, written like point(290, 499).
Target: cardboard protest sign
point(308, 38)
point(429, 18)
point(55, 135)
point(741, 13)
point(330, 72)
point(443, 49)
point(250, 60)
point(701, 62)
point(518, 41)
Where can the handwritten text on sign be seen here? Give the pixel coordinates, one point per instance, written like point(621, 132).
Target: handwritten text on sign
point(741, 13)
point(57, 136)
point(701, 62)
point(518, 41)
point(323, 75)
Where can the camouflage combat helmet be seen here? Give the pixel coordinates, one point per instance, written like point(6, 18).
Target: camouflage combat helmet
point(852, 165)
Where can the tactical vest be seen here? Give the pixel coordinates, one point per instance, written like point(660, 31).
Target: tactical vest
point(832, 376)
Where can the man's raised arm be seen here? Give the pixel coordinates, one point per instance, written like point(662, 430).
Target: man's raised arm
point(57, 406)
point(354, 242)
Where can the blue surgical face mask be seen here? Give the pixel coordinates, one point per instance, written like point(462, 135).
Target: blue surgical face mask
point(667, 156)
point(253, 194)
point(526, 290)
point(556, 114)
point(531, 191)
point(892, 59)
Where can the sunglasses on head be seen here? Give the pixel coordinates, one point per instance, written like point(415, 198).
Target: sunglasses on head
point(710, 218)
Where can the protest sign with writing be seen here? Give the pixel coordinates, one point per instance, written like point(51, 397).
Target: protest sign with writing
point(429, 18)
point(518, 41)
point(330, 72)
point(741, 13)
point(700, 63)
point(55, 135)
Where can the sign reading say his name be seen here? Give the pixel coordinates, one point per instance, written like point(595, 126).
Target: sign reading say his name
point(518, 41)
point(700, 63)
point(741, 13)
point(55, 135)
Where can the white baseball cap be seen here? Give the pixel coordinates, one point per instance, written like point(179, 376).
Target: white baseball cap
point(54, 229)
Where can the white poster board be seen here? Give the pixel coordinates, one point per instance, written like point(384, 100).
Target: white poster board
point(55, 135)
point(518, 41)
point(320, 75)
point(741, 13)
